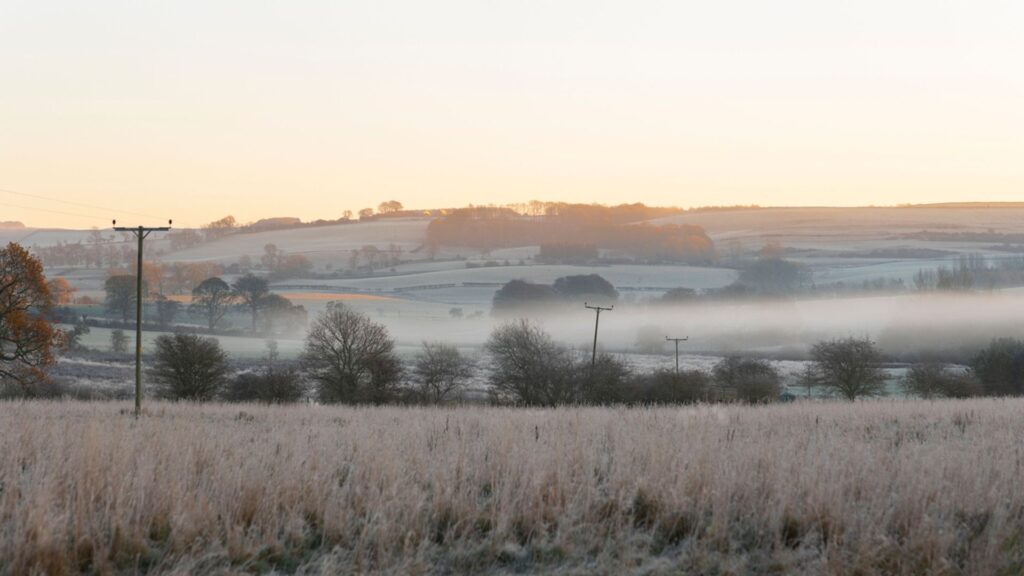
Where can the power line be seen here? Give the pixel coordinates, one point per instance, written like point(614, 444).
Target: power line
point(79, 204)
point(51, 211)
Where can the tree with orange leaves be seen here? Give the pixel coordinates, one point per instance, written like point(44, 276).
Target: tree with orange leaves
point(28, 339)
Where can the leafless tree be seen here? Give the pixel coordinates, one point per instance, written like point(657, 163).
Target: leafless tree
point(350, 358)
point(441, 372)
point(850, 367)
point(529, 367)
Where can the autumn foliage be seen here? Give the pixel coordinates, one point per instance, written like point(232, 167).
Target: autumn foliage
point(28, 339)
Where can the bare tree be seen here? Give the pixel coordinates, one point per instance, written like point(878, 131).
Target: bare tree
point(529, 367)
point(212, 298)
point(441, 372)
point(350, 358)
point(850, 367)
point(189, 367)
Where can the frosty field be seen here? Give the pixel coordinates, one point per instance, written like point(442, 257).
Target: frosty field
point(895, 487)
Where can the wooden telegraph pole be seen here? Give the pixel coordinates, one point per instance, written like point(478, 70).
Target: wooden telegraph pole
point(677, 341)
point(140, 233)
point(597, 320)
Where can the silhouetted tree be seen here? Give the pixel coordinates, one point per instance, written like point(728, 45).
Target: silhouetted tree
point(850, 367)
point(189, 367)
point(212, 299)
point(251, 291)
point(121, 295)
point(350, 358)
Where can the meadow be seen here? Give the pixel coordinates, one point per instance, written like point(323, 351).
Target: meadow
point(894, 487)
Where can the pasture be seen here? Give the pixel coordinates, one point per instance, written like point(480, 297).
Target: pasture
point(898, 487)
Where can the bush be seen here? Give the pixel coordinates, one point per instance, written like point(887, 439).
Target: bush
point(270, 386)
point(608, 382)
point(440, 373)
point(747, 380)
point(668, 387)
point(1000, 367)
point(189, 367)
point(937, 381)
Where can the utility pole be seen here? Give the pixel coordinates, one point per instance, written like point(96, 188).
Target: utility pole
point(140, 233)
point(597, 320)
point(677, 341)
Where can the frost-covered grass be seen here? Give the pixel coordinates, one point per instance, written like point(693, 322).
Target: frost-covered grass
point(878, 487)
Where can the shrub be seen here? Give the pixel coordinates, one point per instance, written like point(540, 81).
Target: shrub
point(668, 387)
point(608, 382)
point(937, 381)
point(747, 380)
point(189, 367)
point(440, 372)
point(270, 386)
point(1000, 367)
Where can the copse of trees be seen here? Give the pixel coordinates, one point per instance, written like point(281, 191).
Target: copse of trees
point(28, 340)
point(351, 359)
point(518, 296)
point(492, 228)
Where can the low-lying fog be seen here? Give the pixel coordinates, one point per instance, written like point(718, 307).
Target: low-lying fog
point(942, 326)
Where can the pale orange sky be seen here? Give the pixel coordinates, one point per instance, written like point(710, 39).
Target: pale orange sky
point(194, 110)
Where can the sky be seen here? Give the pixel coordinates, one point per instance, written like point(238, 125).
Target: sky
point(149, 110)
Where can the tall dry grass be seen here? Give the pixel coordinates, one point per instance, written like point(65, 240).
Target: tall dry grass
point(880, 487)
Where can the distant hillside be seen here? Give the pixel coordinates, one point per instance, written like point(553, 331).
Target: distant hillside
point(11, 225)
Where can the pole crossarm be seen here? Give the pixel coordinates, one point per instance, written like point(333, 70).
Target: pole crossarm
point(140, 232)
